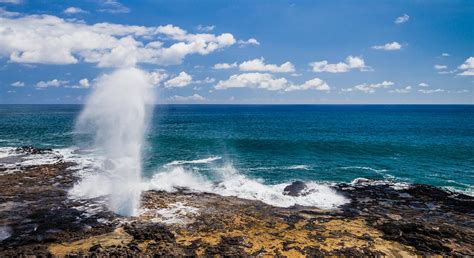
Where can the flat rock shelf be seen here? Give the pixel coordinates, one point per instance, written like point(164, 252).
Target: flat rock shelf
point(38, 218)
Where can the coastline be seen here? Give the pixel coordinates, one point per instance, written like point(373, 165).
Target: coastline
point(37, 217)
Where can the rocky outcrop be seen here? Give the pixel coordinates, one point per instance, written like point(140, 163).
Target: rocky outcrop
point(37, 218)
point(295, 189)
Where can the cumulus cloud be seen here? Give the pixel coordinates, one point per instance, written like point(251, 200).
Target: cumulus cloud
point(259, 65)
point(423, 84)
point(467, 67)
point(389, 46)
point(73, 10)
point(204, 28)
point(402, 19)
point(407, 89)
point(316, 84)
point(370, 88)
point(83, 84)
point(157, 77)
point(250, 41)
point(445, 54)
point(440, 67)
point(5, 13)
point(29, 39)
point(53, 83)
point(268, 82)
point(253, 80)
point(192, 98)
point(221, 66)
point(430, 91)
point(18, 84)
point(183, 79)
point(351, 62)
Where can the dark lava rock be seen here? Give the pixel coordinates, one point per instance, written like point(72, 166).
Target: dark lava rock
point(96, 248)
point(423, 238)
point(32, 150)
point(295, 188)
point(228, 247)
point(150, 231)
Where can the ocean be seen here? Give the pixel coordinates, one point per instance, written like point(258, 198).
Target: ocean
point(272, 145)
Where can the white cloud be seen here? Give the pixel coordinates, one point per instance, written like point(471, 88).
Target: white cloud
point(402, 19)
point(316, 84)
point(407, 89)
point(269, 82)
point(224, 66)
point(467, 67)
point(53, 83)
point(113, 6)
point(370, 88)
point(423, 84)
point(28, 39)
point(84, 83)
point(73, 10)
point(5, 13)
point(183, 79)
point(253, 80)
point(447, 72)
point(18, 84)
point(192, 98)
point(250, 41)
point(389, 46)
point(430, 91)
point(260, 66)
point(350, 63)
point(204, 28)
point(440, 67)
point(445, 54)
point(157, 77)
point(11, 1)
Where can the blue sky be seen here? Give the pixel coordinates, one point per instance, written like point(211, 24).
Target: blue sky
point(273, 51)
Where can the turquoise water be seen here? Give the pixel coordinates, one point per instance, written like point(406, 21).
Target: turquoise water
point(431, 144)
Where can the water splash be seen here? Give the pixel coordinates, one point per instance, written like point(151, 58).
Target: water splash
point(117, 114)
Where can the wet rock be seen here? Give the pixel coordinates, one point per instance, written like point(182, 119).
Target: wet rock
point(32, 150)
point(295, 189)
point(416, 220)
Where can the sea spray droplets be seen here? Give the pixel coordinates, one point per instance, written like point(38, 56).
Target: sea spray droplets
point(117, 114)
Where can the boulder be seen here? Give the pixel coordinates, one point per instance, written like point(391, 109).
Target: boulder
point(295, 189)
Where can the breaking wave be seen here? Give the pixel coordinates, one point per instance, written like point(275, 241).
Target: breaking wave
point(227, 181)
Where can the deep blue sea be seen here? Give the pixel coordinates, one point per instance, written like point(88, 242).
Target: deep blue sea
point(430, 144)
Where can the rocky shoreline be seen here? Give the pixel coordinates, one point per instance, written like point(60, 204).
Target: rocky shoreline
point(38, 218)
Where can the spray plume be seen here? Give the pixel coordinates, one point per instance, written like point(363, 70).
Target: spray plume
point(117, 114)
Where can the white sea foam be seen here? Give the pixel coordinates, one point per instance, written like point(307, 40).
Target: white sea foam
point(378, 171)
point(300, 167)
point(197, 161)
point(175, 213)
point(229, 182)
point(12, 161)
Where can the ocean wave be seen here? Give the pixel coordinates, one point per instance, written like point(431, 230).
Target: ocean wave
point(378, 171)
point(197, 161)
point(229, 182)
point(292, 167)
